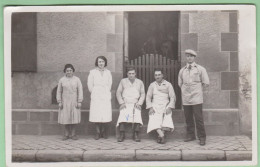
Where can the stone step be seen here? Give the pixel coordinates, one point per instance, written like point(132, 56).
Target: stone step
point(31, 148)
point(128, 155)
point(44, 122)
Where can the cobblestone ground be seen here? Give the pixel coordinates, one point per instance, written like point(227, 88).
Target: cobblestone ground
point(226, 143)
point(53, 149)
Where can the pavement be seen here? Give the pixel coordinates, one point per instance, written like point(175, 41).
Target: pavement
point(27, 148)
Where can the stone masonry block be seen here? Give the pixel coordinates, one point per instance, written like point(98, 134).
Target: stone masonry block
point(212, 59)
point(59, 155)
point(70, 37)
point(39, 116)
point(23, 155)
point(27, 129)
point(84, 117)
point(229, 41)
point(231, 129)
point(189, 41)
point(233, 22)
point(117, 76)
point(19, 116)
point(203, 155)
point(177, 116)
point(239, 155)
point(109, 155)
point(216, 99)
point(229, 81)
point(209, 22)
point(111, 61)
point(158, 155)
point(110, 23)
point(81, 129)
point(55, 116)
point(234, 99)
point(111, 40)
point(119, 24)
point(184, 23)
point(214, 78)
point(114, 42)
point(225, 117)
point(51, 129)
point(234, 61)
point(119, 63)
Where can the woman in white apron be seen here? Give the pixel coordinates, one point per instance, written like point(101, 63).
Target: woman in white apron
point(99, 85)
point(69, 97)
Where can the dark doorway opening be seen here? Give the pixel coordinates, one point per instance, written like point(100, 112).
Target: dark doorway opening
point(153, 33)
point(153, 42)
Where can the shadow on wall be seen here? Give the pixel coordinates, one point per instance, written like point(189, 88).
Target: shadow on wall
point(38, 90)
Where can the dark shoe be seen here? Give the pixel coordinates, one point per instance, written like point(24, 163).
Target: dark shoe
point(163, 141)
point(136, 137)
point(75, 137)
point(189, 139)
point(103, 129)
point(97, 136)
point(104, 134)
point(159, 139)
point(65, 137)
point(121, 137)
point(202, 142)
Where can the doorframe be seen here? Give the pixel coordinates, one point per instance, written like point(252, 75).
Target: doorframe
point(126, 55)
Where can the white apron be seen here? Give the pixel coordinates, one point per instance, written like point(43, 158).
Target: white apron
point(130, 114)
point(159, 119)
point(100, 106)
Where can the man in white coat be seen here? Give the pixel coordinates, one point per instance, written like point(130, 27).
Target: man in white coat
point(160, 101)
point(130, 95)
point(192, 79)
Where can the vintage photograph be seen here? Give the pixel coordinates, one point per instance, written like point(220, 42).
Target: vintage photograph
point(114, 85)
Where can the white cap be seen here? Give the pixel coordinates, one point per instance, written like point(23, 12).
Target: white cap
point(192, 52)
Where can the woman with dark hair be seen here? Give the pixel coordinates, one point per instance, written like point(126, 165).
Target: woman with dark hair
point(99, 85)
point(69, 97)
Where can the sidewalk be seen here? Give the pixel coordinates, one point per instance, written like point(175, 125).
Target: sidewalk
point(27, 148)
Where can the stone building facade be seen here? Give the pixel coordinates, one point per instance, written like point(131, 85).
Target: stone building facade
point(78, 38)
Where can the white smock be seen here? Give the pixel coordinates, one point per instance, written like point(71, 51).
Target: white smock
point(100, 104)
point(159, 119)
point(130, 114)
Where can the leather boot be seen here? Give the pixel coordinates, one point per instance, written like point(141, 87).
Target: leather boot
point(163, 140)
point(202, 141)
point(98, 132)
point(104, 131)
point(189, 138)
point(97, 136)
point(136, 137)
point(121, 137)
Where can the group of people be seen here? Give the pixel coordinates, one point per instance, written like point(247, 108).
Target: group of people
point(160, 101)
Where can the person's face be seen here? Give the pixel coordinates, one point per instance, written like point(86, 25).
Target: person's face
point(158, 76)
point(69, 72)
point(131, 74)
point(190, 58)
point(101, 63)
